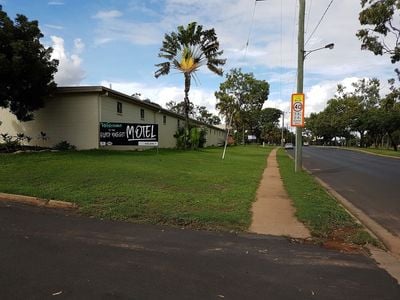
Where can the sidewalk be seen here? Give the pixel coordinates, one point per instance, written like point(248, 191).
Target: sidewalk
point(273, 212)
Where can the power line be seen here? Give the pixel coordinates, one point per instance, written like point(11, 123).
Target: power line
point(251, 27)
point(308, 15)
point(316, 27)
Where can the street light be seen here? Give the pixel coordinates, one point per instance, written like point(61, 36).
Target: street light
point(329, 46)
point(301, 56)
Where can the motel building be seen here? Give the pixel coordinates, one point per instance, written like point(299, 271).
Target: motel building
point(93, 117)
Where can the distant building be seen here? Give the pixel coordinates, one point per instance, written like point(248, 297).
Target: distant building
point(92, 117)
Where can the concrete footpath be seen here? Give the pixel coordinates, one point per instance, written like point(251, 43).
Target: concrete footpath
point(273, 212)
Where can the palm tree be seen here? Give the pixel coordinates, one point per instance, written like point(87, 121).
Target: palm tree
point(186, 51)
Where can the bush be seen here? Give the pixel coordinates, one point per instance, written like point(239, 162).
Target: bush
point(195, 138)
point(64, 146)
point(13, 143)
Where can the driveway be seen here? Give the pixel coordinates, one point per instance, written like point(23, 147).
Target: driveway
point(59, 255)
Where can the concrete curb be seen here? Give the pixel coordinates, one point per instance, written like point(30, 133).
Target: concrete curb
point(34, 201)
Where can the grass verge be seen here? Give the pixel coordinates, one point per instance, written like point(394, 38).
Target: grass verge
point(327, 220)
point(386, 152)
point(185, 188)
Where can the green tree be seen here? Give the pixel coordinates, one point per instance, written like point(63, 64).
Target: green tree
point(199, 113)
point(179, 107)
point(241, 97)
point(26, 70)
point(268, 125)
point(382, 34)
point(187, 50)
point(359, 104)
point(390, 114)
point(203, 115)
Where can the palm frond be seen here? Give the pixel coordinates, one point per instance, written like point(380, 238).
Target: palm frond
point(163, 69)
point(190, 48)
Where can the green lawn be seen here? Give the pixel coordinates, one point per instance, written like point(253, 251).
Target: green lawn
point(326, 219)
point(387, 152)
point(191, 188)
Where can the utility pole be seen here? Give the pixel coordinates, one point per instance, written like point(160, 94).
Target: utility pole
point(300, 75)
point(283, 125)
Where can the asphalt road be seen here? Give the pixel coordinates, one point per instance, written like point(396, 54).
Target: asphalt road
point(47, 254)
point(371, 183)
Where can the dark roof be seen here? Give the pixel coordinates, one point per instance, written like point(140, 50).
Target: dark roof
point(134, 99)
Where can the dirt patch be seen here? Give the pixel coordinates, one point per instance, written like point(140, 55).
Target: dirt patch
point(340, 238)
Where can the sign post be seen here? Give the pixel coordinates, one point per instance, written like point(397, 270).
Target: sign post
point(297, 120)
point(297, 110)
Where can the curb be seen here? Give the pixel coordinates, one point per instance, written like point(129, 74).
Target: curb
point(35, 201)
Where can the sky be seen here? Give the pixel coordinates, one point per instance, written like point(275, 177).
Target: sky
point(116, 43)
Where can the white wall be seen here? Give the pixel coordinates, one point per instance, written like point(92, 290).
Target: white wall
point(70, 117)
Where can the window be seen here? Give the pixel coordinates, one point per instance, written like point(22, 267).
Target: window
point(119, 107)
point(142, 114)
point(164, 120)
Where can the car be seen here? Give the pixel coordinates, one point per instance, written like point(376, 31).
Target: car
point(288, 146)
point(305, 144)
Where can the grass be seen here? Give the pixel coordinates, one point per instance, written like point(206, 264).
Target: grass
point(324, 216)
point(387, 152)
point(185, 188)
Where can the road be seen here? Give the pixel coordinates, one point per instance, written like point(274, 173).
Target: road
point(51, 254)
point(371, 183)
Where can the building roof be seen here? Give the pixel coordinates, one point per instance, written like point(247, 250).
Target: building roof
point(133, 99)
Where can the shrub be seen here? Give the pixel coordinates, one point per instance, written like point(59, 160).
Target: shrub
point(195, 138)
point(64, 146)
point(13, 143)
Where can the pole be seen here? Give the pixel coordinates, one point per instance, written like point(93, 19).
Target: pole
point(283, 125)
point(300, 78)
point(227, 136)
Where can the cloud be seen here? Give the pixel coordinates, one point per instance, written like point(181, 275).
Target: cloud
point(70, 71)
point(79, 46)
point(112, 28)
point(51, 26)
point(55, 3)
point(107, 14)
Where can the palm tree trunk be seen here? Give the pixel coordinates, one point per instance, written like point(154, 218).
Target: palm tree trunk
point(187, 103)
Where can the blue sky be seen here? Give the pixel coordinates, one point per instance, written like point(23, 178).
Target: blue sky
point(116, 42)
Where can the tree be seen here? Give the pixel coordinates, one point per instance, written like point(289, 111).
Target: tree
point(390, 114)
point(362, 111)
point(26, 70)
point(241, 97)
point(381, 36)
point(199, 113)
point(187, 50)
point(179, 107)
point(268, 125)
point(203, 115)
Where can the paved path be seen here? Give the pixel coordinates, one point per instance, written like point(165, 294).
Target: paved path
point(273, 212)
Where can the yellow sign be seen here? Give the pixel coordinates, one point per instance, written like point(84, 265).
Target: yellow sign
point(297, 110)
